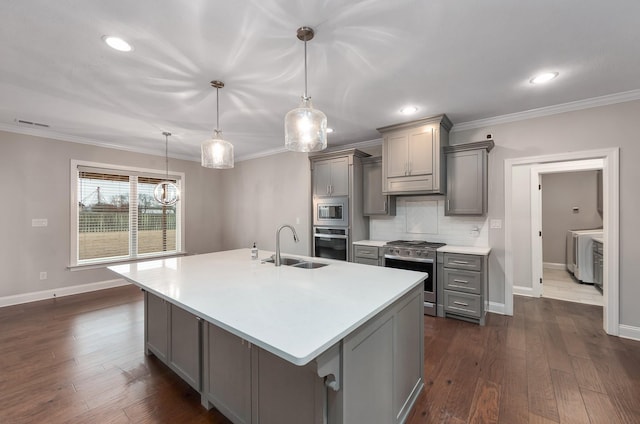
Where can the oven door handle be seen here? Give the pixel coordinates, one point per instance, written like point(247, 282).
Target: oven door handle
point(409, 259)
point(330, 236)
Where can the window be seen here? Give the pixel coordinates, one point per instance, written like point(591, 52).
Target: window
point(115, 216)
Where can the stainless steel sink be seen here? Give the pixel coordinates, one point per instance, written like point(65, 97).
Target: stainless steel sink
point(295, 262)
point(309, 265)
point(285, 260)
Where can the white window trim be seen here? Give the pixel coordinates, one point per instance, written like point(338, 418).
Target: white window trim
point(73, 207)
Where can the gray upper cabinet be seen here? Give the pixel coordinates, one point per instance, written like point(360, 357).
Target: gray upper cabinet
point(412, 157)
point(467, 178)
point(374, 201)
point(331, 177)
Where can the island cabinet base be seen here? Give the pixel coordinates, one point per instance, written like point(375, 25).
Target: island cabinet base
point(373, 375)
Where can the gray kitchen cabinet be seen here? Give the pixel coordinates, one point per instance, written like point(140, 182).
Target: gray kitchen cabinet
point(173, 335)
point(374, 201)
point(331, 177)
point(412, 156)
point(227, 374)
point(464, 280)
point(156, 323)
point(467, 178)
point(249, 385)
point(599, 198)
point(385, 359)
point(598, 264)
point(368, 255)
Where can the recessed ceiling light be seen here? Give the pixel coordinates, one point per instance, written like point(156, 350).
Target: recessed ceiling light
point(117, 43)
point(409, 110)
point(544, 77)
point(329, 130)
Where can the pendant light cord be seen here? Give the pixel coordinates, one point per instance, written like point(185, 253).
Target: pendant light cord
point(166, 154)
point(305, 70)
point(217, 109)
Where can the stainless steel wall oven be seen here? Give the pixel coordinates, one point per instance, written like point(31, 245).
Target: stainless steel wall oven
point(331, 243)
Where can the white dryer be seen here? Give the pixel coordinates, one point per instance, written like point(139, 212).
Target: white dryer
point(580, 253)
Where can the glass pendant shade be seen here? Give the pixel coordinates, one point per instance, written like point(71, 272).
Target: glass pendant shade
point(166, 192)
point(216, 153)
point(305, 128)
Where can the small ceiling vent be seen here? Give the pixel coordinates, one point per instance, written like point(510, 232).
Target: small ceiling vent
point(31, 124)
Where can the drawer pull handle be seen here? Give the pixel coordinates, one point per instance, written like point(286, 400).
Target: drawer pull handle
point(461, 281)
point(455, 286)
point(460, 303)
point(460, 262)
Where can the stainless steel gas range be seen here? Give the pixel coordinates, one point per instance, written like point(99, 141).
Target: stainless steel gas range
point(416, 255)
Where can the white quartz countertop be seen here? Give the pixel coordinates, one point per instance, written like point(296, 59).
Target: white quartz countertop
point(374, 243)
point(293, 313)
point(599, 239)
point(466, 250)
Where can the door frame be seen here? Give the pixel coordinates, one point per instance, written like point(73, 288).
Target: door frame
point(611, 225)
point(537, 171)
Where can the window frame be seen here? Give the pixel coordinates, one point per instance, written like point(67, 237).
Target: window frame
point(75, 164)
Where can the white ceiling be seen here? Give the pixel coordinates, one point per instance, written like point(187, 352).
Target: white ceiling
point(469, 59)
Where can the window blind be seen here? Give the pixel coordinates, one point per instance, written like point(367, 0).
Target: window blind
point(118, 217)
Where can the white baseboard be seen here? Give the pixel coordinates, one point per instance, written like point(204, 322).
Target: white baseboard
point(629, 332)
point(552, 265)
point(523, 291)
point(60, 292)
point(496, 308)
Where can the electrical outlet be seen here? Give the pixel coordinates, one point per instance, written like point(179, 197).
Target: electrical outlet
point(495, 223)
point(43, 275)
point(39, 222)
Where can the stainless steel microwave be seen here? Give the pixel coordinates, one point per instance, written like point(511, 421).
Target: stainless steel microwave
point(331, 211)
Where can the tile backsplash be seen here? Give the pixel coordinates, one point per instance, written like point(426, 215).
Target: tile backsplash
point(422, 218)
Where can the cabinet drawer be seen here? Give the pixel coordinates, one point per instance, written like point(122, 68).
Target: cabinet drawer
point(463, 281)
point(366, 261)
point(370, 252)
point(462, 303)
point(413, 183)
point(460, 261)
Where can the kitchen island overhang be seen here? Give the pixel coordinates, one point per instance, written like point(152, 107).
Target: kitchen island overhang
point(308, 318)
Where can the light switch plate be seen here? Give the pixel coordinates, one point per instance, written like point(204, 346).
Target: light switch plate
point(39, 222)
point(495, 223)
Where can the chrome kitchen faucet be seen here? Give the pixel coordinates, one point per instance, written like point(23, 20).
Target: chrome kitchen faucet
point(295, 238)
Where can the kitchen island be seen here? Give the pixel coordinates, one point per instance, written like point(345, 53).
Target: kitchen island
point(338, 344)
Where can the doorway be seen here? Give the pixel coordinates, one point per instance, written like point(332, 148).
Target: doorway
point(565, 197)
point(516, 227)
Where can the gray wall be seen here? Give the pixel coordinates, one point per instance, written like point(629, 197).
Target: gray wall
point(561, 192)
point(596, 128)
point(262, 194)
point(35, 175)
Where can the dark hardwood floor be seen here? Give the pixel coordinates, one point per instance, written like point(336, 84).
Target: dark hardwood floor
point(79, 359)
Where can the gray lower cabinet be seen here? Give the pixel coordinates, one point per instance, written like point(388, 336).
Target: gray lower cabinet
point(383, 365)
point(173, 336)
point(467, 178)
point(368, 255)
point(598, 264)
point(374, 375)
point(227, 374)
point(465, 286)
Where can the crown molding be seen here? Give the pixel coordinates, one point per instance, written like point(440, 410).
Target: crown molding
point(610, 99)
point(43, 133)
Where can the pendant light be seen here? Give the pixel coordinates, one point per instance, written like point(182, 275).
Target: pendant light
point(216, 152)
point(166, 192)
point(305, 128)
